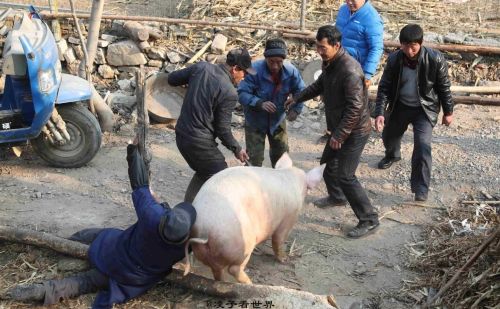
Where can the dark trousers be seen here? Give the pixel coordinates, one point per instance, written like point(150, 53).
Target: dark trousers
point(421, 159)
point(256, 142)
point(82, 283)
point(203, 156)
point(340, 178)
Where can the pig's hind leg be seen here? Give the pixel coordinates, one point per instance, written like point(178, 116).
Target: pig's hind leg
point(238, 271)
point(203, 254)
point(279, 237)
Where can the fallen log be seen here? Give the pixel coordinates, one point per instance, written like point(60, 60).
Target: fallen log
point(278, 296)
point(45, 240)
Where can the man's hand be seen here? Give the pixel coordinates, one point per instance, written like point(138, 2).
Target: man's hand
point(368, 83)
point(379, 123)
point(334, 144)
point(269, 107)
point(292, 115)
point(242, 156)
point(289, 103)
point(447, 119)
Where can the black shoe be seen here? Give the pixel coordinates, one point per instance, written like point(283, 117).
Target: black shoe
point(30, 292)
point(329, 202)
point(421, 197)
point(387, 162)
point(363, 229)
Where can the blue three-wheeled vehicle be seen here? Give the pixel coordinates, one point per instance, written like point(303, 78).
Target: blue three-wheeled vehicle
point(40, 104)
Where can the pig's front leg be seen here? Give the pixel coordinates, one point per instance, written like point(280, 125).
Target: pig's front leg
point(279, 237)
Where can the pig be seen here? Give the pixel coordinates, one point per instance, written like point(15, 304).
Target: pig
point(240, 207)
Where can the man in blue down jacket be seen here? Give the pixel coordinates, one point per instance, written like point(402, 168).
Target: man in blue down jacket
point(362, 34)
point(127, 263)
point(263, 96)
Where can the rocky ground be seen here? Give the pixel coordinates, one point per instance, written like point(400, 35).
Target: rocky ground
point(372, 271)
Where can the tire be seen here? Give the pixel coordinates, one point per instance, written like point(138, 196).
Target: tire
point(85, 134)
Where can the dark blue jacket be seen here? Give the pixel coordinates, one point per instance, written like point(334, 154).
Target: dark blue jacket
point(260, 87)
point(137, 258)
point(208, 105)
point(362, 35)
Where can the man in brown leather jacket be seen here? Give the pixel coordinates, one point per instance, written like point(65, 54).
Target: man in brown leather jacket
point(342, 85)
point(413, 89)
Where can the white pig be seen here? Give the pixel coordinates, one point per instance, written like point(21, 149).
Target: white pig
point(240, 207)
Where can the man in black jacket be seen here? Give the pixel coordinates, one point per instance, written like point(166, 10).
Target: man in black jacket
point(206, 115)
point(413, 88)
point(342, 84)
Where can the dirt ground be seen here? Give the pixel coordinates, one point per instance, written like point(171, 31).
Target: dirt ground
point(372, 270)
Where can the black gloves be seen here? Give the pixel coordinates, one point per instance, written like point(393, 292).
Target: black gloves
point(137, 171)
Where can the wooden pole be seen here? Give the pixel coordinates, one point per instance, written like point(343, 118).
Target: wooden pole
point(288, 33)
point(461, 100)
point(493, 50)
point(200, 52)
point(142, 118)
point(93, 35)
point(303, 15)
point(84, 69)
point(487, 50)
point(464, 89)
point(48, 15)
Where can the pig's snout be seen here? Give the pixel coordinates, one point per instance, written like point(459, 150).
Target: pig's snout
point(186, 251)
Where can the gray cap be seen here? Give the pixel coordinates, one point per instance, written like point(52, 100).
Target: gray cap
point(175, 226)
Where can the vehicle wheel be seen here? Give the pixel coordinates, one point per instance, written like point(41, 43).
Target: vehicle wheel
point(85, 134)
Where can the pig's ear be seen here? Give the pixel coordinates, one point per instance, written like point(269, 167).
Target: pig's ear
point(314, 176)
point(284, 162)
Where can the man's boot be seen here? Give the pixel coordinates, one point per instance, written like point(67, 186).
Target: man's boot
point(193, 188)
point(27, 293)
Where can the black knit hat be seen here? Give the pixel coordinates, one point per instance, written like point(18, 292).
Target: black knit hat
point(275, 48)
point(240, 58)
